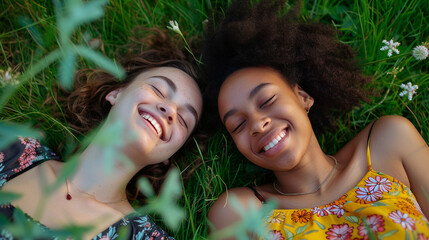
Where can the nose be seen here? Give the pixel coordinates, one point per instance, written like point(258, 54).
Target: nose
point(259, 125)
point(168, 110)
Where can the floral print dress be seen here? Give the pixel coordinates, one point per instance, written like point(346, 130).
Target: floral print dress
point(27, 153)
point(378, 207)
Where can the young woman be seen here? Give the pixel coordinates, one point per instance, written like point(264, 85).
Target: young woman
point(274, 82)
point(158, 105)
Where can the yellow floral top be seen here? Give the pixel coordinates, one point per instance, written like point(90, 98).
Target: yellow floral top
point(378, 205)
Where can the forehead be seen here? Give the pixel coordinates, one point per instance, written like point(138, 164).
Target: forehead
point(240, 83)
point(186, 89)
point(177, 76)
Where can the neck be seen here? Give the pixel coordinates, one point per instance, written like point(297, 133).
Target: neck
point(93, 177)
point(310, 171)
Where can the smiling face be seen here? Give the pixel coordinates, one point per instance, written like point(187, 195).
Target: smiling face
point(266, 117)
point(161, 107)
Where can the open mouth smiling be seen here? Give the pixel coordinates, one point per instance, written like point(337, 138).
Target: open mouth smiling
point(153, 122)
point(274, 141)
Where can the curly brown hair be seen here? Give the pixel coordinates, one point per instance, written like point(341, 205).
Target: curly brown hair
point(307, 54)
point(86, 105)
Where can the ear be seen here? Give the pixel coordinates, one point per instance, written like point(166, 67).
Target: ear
point(306, 100)
point(113, 96)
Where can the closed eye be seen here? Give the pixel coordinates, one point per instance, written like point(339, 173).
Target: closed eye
point(157, 91)
point(238, 127)
point(182, 121)
point(270, 100)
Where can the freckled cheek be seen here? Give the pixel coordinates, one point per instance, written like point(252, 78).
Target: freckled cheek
point(143, 92)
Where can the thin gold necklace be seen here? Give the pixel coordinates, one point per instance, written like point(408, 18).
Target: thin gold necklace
point(316, 189)
point(69, 196)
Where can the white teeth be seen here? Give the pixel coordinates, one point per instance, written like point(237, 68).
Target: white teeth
point(154, 123)
point(275, 141)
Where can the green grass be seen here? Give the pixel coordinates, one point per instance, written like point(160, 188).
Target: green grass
point(28, 32)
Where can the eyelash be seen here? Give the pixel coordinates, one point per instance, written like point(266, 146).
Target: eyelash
point(236, 128)
point(157, 91)
point(269, 101)
point(182, 121)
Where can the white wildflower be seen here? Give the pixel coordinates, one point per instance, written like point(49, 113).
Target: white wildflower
point(174, 27)
point(390, 47)
point(409, 90)
point(420, 52)
point(8, 77)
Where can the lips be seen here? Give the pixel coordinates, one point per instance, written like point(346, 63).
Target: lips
point(153, 122)
point(272, 141)
point(156, 125)
point(276, 140)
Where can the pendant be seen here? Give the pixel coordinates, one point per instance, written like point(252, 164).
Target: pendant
point(68, 196)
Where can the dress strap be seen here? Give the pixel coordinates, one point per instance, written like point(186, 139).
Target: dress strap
point(368, 155)
point(257, 194)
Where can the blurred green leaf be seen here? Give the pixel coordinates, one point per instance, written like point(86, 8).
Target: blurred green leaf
point(9, 132)
point(101, 61)
point(32, 29)
point(251, 218)
point(69, 168)
point(109, 138)
point(145, 187)
point(67, 68)
point(21, 228)
point(7, 197)
point(165, 204)
point(170, 192)
point(72, 232)
point(75, 13)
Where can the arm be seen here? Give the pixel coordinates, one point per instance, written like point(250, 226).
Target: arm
point(415, 158)
point(223, 215)
point(406, 144)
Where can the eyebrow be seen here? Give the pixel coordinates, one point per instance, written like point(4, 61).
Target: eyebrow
point(173, 86)
point(170, 83)
point(251, 95)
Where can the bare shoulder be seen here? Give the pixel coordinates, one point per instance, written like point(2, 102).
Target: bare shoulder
point(396, 146)
point(397, 134)
point(395, 124)
point(413, 154)
point(223, 212)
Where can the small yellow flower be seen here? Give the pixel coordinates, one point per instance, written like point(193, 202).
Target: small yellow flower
point(278, 217)
point(408, 208)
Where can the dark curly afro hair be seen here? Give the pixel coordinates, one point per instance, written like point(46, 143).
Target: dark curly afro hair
point(307, 54)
